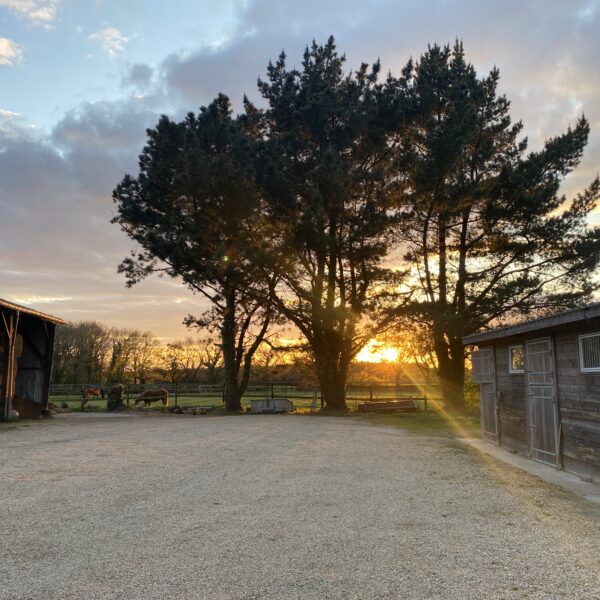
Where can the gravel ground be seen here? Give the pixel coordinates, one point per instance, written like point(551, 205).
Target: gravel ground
point(97, 506)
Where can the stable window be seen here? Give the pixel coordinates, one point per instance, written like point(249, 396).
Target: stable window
point(483, 365)
point(589, 352)
point(516, 359)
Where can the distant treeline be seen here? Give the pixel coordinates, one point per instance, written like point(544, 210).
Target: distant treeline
point(90, 352)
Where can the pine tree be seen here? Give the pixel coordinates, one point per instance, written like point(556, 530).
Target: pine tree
point(324, 170)
point(486, 229)
point(194, 210)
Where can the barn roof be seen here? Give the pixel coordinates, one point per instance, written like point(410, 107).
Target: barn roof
point(583, 313)
point(30, 311)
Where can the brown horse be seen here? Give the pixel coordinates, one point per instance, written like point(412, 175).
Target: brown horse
point(88, 392)
point(149, 396)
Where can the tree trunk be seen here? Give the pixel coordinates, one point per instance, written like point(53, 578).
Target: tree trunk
point(231, 392)
point(332, 379)
point(451, 371)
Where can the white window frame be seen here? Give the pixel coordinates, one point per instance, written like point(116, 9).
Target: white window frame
point(510, 369)
point(580, 347)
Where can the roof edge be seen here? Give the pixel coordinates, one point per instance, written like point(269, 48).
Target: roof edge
point(574, 315)
point(31, 311)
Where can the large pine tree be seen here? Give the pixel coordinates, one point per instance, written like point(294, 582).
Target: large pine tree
point(325, 171)
point(487, 231)
point(194, 211)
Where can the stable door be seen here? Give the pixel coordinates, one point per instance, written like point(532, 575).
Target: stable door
point(484, 374)
point(541, 401)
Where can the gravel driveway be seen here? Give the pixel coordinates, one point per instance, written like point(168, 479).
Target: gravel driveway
point(286, 507)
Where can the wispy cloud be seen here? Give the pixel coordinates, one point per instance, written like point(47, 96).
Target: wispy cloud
point(28, 300)
point(37, 12)
point(111, 39)
point(10, 52)
point(8, 114)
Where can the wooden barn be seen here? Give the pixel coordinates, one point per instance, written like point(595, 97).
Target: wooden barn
point(540, 388)
point(26, 345)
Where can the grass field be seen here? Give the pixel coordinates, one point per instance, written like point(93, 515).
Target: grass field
point(99, 405)
point(302, 401)
point(436, 421)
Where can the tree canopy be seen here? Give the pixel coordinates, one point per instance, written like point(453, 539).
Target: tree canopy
point(325, 176)
point(348, 203)
point(486, 231)
point(194, 212)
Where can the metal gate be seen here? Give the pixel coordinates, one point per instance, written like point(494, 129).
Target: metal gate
point(541, 401)
point(484, 374)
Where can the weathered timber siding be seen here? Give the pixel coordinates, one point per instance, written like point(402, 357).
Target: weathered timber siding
point(578, 398)
point(512, 401)
point(579, 403)
point(577, 393)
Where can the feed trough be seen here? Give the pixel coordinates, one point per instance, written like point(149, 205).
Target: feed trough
point(388, 406)
point(271, 405)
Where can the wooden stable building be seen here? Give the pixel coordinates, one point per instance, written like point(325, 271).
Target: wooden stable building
point(540, 388)
point(26, 346)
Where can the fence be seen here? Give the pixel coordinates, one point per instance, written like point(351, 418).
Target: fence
point(302, 396)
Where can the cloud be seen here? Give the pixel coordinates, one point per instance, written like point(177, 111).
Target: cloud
point(60, 252)
point(14, 127)
point(10, 52)
point(514, 35)
point(102, 140)
point(55, 189)
point(43, 299)
point(138, 76)
point(37, 12)
point(111, 39)
point(8, 114)
point(118, 126)
point(547, 55)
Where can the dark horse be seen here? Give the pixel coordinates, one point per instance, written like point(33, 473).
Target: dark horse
point(88, 392)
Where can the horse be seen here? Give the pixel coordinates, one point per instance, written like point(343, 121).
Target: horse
point(88, 392)
point(152, 395)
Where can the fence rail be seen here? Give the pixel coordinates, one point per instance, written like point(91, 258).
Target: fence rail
point(305, 394)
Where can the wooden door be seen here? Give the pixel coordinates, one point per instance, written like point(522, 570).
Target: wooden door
point(541, 401)
point(484, 374)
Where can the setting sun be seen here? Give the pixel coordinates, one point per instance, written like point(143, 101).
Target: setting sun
point(377, 352)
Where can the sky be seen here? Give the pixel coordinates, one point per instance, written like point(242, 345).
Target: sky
point(81, 80)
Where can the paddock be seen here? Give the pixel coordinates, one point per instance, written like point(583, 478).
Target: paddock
point(150, 506)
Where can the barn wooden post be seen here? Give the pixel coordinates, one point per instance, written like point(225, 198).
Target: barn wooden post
point(8, 365)
point(50, 330)
point(4, 373)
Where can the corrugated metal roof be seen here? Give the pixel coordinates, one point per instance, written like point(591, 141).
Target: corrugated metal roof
point(30, 311)
point(574, 315)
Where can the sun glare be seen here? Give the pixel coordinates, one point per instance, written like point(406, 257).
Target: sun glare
point(377, 352)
